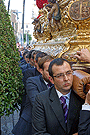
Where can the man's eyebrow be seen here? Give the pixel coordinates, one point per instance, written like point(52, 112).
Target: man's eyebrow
point(65, 72)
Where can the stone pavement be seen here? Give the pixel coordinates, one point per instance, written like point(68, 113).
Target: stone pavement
point(8, 122)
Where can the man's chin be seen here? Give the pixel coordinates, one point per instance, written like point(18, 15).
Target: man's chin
point(67, 88)
point(46, 80)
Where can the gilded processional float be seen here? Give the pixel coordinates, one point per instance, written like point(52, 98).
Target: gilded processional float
point(61, 29)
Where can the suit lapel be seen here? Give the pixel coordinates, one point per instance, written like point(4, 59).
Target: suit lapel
point(57, 108)
point(41, 85)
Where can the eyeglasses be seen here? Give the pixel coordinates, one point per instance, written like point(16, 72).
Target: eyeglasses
point(62, 75)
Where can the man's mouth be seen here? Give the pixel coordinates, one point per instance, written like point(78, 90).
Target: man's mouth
point(66, 84)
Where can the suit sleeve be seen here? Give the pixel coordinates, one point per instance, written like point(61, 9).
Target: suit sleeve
point(31, 90)
point(38, 118)
point(26, 74)
point(84, 123)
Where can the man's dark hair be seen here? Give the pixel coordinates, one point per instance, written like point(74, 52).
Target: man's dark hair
point(25, 52)
point(29, 55)
point(58, 61)
point(43, 60)
point(34, 52)
point(40, 55)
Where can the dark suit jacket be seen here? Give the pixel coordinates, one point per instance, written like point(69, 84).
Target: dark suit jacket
point(26, 66)
point(34, 85)
point(22, 62)
point(48, 117)
point(30, 72)
point(84, 123)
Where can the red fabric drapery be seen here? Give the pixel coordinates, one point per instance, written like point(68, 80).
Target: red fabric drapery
point(38, 16)
point(40, 3)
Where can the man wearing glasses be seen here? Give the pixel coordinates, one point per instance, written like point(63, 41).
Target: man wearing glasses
point(56, 111)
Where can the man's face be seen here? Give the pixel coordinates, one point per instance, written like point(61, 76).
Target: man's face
point(29, 48)
point(36, 63)
point(34, 57)
point(27, 60)
point(25, 57)
point(32, 61)
point(45, 73)
point(63, 83)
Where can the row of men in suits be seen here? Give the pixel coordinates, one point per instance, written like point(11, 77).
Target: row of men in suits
point(35, 80)
point(30, 71)
point(56, 109)
point(30, 91)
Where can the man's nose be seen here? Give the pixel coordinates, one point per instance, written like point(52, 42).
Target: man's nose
point(65, 77)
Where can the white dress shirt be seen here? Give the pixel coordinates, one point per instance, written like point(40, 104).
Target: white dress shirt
point(86, 106)
point(67, 97)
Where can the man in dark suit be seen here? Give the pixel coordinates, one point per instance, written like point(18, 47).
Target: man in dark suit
point(27, 65)
point(31, 72)
point(22, 60)
point(32, 56)
point(34, 86)
point(56, 111)
point(84, 122)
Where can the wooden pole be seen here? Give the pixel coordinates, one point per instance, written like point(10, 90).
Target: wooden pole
point(8, 5)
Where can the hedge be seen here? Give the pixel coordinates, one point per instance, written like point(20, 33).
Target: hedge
point(11, 86)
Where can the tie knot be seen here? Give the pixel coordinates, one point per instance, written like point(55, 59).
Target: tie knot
point(48, 85)
point(63, 99)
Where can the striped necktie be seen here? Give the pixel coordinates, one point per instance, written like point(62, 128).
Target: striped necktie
point(64, 105)
point(48, 85)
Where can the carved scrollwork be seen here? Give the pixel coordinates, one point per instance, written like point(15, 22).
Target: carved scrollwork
point(74, 33)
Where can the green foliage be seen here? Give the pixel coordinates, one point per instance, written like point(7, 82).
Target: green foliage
point(11, 86)
point(30, 38)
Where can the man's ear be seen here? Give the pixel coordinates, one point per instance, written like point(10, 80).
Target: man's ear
point(51, 80)
point(31, 60)
point(35, 63)
point(41, 70)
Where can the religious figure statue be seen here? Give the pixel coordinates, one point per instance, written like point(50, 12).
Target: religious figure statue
point(55, 14)
point(37, 28)
point(48, 8)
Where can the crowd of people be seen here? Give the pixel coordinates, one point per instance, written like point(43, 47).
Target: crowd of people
point(49, 105)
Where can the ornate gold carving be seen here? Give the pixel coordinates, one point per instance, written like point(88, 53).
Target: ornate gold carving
point(76, 13)
point(74, 33)
point(79, 10)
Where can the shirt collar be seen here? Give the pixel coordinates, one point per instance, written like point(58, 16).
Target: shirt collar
point(60, 94)
point(45, 82)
